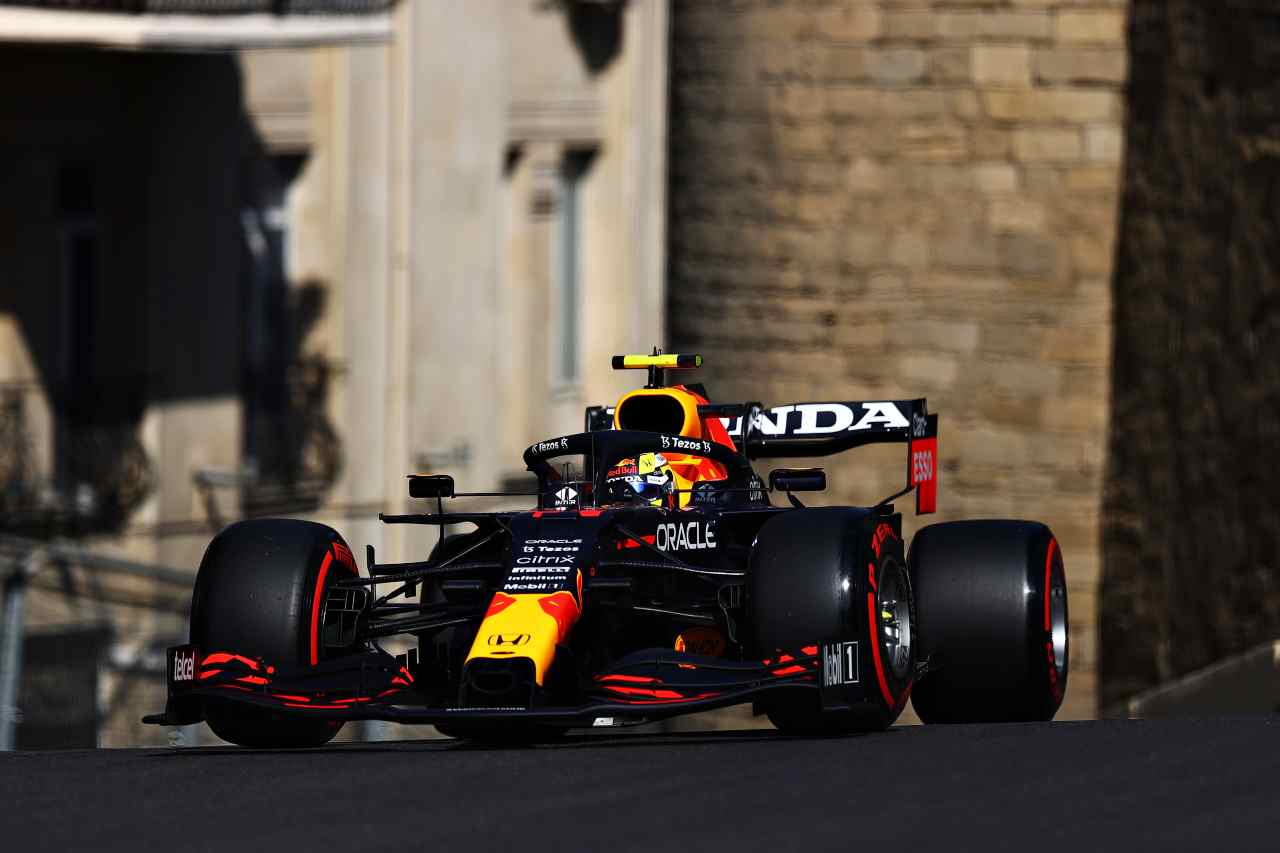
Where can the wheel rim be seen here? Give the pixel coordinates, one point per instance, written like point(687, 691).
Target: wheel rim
point(893, 605)
point(1058, 618)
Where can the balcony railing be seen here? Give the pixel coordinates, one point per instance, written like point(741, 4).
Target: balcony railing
point(212, 7)
point(293, 451)
point(98, 472)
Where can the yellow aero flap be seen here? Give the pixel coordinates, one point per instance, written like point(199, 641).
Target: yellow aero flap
point(526, 626)
point(668, 361)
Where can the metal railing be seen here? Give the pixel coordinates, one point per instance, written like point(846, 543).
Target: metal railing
point(98, 471)
point(22, 560)
point(212, 7)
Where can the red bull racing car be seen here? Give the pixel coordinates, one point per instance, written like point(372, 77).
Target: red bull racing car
point(658, 574)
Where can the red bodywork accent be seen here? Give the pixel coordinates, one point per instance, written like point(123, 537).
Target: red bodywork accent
point(589, 513)
point(315, 608)
point(790, 670)
point(501, 601)
point(871, 575)
point(922, 472)
point(343, 553)
point(209, 673)
point(227, 657)
point(254, 679)
point(656, 697)
point(289, 697)
point(873, 623)
point(631, 543)
point(810, 650)
point(561, 607)
point(635, 679)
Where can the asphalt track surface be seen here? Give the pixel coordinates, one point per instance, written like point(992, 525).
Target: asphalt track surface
point(1206, 785)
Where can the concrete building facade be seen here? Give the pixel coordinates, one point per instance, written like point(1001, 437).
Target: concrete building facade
point(274, 281)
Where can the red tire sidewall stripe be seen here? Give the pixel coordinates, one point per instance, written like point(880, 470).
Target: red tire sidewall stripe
point(875, 652)
point(1048, 573)
point(315, 608)
point(1055, 675)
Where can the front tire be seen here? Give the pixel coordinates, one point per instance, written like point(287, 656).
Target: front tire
point(992, 602)
point(833, 573)
point(260, 592)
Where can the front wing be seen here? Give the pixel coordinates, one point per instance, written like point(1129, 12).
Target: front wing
point(642, 687)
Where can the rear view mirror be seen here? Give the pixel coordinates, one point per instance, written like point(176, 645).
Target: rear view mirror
point(797, 480)
point(430, 486)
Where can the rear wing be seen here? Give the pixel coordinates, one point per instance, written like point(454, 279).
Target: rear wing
point(824, 429)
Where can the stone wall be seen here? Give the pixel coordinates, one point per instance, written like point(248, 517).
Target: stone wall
point(873, 199)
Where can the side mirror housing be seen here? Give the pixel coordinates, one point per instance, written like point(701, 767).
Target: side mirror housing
point(430, 486)
point(797, 480)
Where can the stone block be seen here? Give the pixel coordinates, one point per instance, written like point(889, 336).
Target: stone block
point(1092, 254)
point(992, 143)
point(795, 100)
point(1021, 376)
point(1089, 344)
point(909, 24)
point(966, 249)
point(909, 249)
point(1030, 256)
point(934, 179)
point(1089, 179)
point(850, 22)
point(1002, 65)
point(1017, 215)
point(963, 103)
point(864, 248)
point(933, 141)
point(958, 336)
point(853, 102)
point(1104, 143)
point(1091, 26)
point(950, 64)
point(841, 63)
point(929, 370)
point(993, 178)
point(866, 176)
point(1081, 65)
point(1008, 410)
point(1046, 144)
point(913, 103)
point(1094, 213)
point(994, 25)
point(895, 64)
point(1043, 105)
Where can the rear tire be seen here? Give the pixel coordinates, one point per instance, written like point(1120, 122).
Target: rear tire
point(992, 603)
point(830, 573)
point(256, 595)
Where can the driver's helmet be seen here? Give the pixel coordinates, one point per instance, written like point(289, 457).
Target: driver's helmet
point(648, 478)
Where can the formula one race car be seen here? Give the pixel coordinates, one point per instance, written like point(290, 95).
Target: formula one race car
point(655, 577)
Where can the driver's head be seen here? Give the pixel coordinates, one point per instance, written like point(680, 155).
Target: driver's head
point(645, 479)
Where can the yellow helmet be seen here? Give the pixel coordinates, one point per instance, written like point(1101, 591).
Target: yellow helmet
point(648, 478)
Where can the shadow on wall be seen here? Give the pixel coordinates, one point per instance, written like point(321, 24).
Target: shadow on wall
point(126, 276)
point(596, 27)
point(1191, 534)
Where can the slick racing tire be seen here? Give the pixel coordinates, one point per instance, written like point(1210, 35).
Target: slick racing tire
point(260, 593)
point(991, 600)
point(834, 574)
